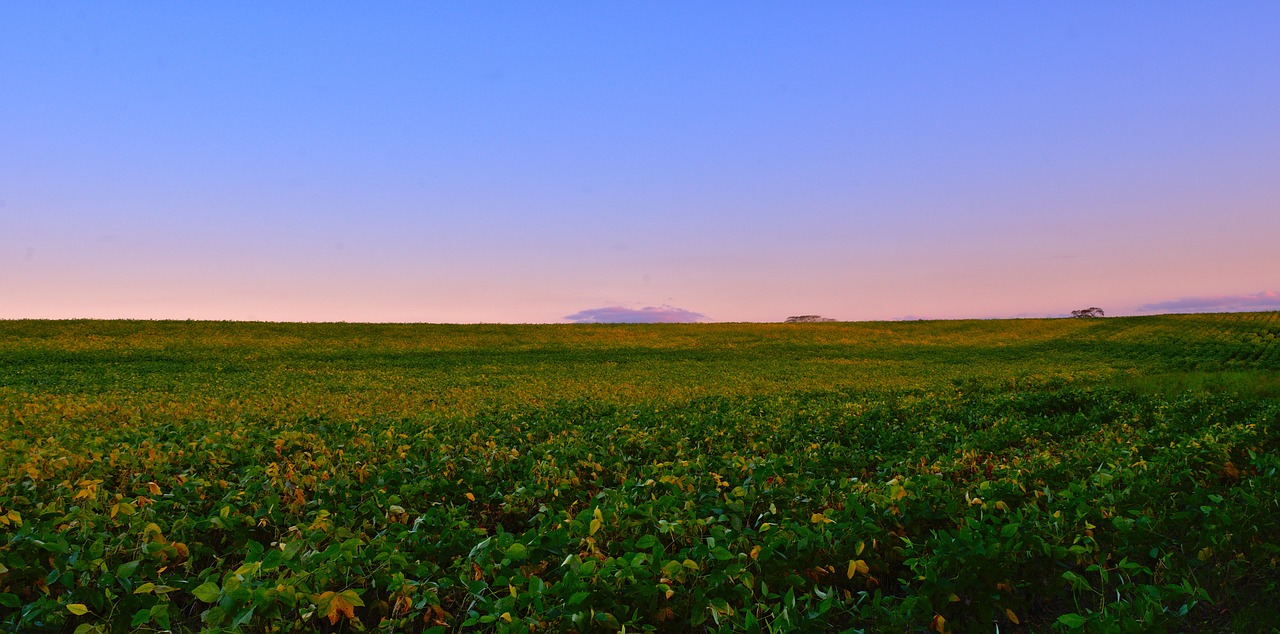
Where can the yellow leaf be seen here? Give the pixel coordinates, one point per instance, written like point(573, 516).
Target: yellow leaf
point(1012, 617)
point(153, 488)
point(335, 606)
point(897, 492)
point(506, 616)
point(861, 547)
point(857, 566)
point(470, 496)
point(938, 624)
point(598, 520)
point(78, 609)
point(755, 552)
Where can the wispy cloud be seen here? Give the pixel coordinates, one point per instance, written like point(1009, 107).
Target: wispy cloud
point(1266, 300)
point(647, 315)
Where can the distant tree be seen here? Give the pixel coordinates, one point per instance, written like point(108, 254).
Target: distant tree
point(806, 319)
point(1092, 311)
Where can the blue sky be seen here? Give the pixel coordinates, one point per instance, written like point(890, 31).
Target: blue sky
point(744, 162)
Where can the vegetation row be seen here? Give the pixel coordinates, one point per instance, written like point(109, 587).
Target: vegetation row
point(226, 477)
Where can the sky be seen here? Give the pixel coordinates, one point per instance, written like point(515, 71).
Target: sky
point(657, 161)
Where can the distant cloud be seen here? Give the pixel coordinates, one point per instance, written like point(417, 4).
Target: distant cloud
point(647, 315)
point(1266, 300)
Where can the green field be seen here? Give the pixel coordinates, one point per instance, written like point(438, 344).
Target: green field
point(1101, 475)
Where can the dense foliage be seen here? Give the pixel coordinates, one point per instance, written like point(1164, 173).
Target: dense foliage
point(1074, 475)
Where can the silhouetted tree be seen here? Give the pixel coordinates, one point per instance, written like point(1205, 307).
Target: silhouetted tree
point(1092, 311)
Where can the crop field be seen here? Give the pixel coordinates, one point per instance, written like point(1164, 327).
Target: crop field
point(1096, 475)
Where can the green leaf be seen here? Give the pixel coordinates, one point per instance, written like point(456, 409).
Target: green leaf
point(126, 569)
point(578, 597)
point(517, 551)
point(1072, 620)
point(85, 628)
point(207, 592)
point(10, 600)
point(291, 550)
point(243, 617)
point(214, 616)
point(248, 569)
point(646, 542)
point(145, 588)
point(1076, 581)
point(272, 559)
point(721, 553)
point(140, 617)
point(78, 609)
point(160, 615)
point(479, 547)
point(352, 598)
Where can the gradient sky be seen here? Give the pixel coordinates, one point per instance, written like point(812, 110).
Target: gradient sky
point(526, 162)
